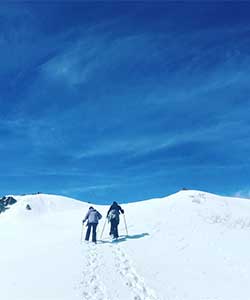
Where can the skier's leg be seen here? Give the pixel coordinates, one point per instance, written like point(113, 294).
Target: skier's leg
point(110, 231)
point(116, 230)
point(112, 228)
point(117, 234)
point(94, 232)
point(88, 232)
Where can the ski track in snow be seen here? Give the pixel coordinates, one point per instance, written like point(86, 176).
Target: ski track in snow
point(92, 286)
point(136, 283)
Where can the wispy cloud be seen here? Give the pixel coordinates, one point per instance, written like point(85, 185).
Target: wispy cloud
point(74, 66)
point(90, 188)
point(149, 143)
point(93, 54)
point(89, 55)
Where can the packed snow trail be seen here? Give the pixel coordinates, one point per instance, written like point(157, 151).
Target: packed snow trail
point(135, 282)
point(109, 260)
point(92, 285)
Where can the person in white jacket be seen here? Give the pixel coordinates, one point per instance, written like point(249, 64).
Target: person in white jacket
point(92, 216)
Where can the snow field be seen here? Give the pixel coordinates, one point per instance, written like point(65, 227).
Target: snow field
point(189, 246)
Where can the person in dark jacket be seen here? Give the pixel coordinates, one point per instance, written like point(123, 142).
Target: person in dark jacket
point(113, 217)
point(92, 216)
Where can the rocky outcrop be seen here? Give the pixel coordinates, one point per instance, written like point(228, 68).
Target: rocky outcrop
point(5, 202)
point(28, 207)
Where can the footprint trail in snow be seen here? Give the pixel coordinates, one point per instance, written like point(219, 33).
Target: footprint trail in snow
point(136, 283)
point(92, 285)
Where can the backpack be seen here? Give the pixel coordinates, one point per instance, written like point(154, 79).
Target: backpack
point(113, 215)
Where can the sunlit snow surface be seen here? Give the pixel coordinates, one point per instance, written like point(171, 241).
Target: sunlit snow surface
point(189, 246)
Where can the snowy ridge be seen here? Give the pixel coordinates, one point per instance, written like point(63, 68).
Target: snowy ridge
point(191, 245)
point(44, 203)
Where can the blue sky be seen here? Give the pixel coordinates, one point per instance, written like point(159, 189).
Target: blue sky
point(124, 101)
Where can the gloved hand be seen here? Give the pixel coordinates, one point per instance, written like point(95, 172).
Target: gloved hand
point(83, 222)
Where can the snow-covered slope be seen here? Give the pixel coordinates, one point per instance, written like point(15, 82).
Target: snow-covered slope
point(189, 246)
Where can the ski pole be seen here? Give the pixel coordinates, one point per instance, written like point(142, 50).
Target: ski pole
point(125, 223)
point(103, 228)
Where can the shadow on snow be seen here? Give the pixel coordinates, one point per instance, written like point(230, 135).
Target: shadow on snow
point(124, 238)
